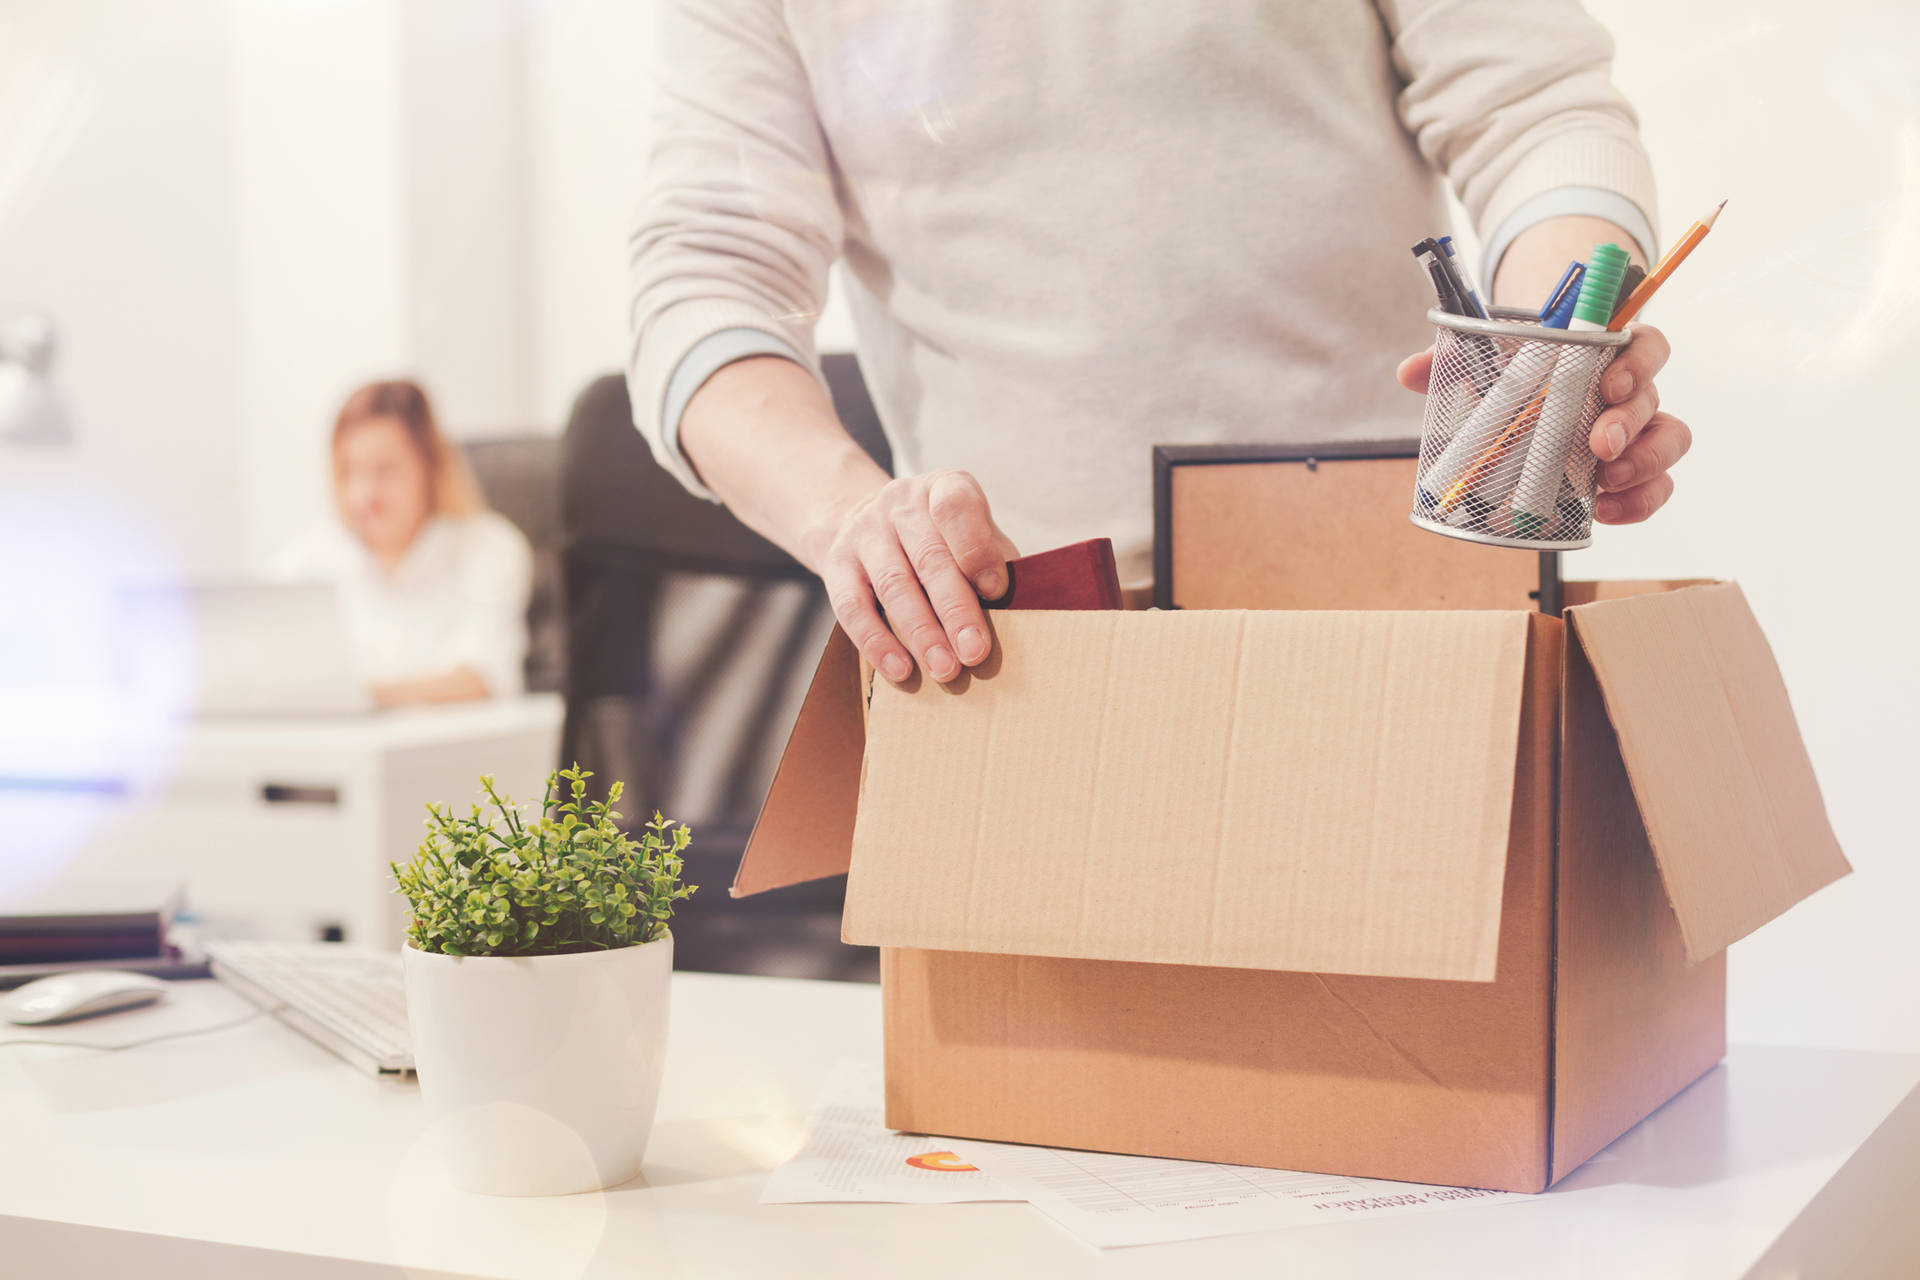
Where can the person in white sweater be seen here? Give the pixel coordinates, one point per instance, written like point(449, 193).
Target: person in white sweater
point(1072, 231)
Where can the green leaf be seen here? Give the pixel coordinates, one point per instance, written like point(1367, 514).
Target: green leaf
point(569, 879)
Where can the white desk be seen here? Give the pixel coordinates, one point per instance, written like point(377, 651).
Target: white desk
point(279, 825)
point(254, 1152)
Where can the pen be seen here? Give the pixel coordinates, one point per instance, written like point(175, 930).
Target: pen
point(1553, 440)
point(1667, 266)
point(1568, 288)
point(1481, 355)
point(1561, 316)
point(1462, 277)
point(1628, 283)
point(1427, 254)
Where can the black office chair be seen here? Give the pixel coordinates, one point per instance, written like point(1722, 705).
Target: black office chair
point(690, 641)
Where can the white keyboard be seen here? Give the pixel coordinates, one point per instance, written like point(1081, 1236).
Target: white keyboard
point(350, 999)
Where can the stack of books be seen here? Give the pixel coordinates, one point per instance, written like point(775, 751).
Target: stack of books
point(121, 926)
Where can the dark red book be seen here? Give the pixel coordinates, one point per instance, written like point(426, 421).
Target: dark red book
point(89, 922)
point(1080, 576)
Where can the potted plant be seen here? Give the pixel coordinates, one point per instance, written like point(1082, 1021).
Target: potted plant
point(537, 969)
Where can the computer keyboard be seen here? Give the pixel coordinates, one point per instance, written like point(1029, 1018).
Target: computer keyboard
point(349, 999)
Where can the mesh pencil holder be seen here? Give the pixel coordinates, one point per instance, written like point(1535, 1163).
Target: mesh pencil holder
point(1503, 452)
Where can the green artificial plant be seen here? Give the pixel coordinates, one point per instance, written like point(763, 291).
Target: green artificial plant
point(568, 881)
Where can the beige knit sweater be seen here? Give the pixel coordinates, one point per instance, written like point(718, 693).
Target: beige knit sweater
point(1073, 230)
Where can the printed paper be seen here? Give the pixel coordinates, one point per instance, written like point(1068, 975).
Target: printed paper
point(1111, 1201)
point(850, 1154)
point(1108, 1201)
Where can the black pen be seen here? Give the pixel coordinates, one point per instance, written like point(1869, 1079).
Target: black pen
point(1481, 355)
point(1427, 254)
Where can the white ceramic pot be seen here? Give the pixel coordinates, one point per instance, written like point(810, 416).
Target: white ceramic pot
point(541, 1073)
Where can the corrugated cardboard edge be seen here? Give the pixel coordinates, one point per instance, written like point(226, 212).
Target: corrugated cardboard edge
point(805, 828)
point(1583, 592)
point(974, 802)
point(1714, 755)
point(1634, 1021)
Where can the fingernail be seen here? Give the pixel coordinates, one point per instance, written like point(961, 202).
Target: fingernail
point(896, 667)
point(992, 583)
point(973, 645)
point(1617, 475)
point(1622, 384)
point(941, 663)
point(1616, 439)
point(1607, 509)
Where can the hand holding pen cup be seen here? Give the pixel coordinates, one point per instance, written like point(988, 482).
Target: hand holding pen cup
point(1511, 400)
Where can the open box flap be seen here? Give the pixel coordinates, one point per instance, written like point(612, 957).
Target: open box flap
point(805, 827)
point(1325, 791)
point(1718, 769)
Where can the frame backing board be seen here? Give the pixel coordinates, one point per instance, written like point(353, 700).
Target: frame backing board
point(1320, 527)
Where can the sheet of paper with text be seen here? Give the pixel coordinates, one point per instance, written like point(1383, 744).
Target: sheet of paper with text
point(1108, 1201)
point(850, 1155)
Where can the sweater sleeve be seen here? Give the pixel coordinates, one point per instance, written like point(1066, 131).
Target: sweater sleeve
point(738, 222)
point(1515, 104)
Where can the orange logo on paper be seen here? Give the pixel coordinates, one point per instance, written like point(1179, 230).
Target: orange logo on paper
point(941, 1162)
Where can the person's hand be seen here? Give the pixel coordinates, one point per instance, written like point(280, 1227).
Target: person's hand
point(1636, 443)
point(906, 568)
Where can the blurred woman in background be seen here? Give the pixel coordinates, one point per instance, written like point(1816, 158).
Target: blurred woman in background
point(433, 584)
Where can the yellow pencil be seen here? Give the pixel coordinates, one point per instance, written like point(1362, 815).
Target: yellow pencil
point(1658, 276)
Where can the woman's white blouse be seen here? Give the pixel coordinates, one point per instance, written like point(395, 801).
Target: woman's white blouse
point(457, 598)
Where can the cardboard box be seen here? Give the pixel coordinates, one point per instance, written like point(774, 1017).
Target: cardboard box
point(1439, 896)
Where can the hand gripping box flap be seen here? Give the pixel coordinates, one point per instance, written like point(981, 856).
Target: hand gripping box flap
point(1321, 791)
point(805, 827)
point(1718, 770)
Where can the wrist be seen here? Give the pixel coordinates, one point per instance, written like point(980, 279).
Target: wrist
point(853, 479)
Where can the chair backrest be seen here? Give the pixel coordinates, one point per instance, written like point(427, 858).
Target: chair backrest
point(520, 477)
point(690, 639)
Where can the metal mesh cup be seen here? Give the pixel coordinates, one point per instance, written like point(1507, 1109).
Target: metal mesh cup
point(1503, 454)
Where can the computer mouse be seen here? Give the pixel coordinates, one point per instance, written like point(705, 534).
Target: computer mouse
point(81, 994)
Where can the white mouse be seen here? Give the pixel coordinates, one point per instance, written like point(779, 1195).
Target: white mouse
point(80, 994)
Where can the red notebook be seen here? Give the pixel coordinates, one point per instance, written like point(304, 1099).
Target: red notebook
point(1080, 576)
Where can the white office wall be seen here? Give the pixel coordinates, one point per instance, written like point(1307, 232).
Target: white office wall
point(115, 217)
point(1794, 329)
point(239, 209)
point(465, 115)
point(587, 103)
point(381, 167)
point(321, 250)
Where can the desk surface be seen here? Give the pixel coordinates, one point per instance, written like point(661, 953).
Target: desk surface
point(404, 726)
point(101, 742)
point(255, 1139)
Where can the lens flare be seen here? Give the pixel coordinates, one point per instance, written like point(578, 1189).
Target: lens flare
point(96, 673)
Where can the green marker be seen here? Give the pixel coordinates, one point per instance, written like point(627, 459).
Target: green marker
point(1552, 442)
point(1600, 289)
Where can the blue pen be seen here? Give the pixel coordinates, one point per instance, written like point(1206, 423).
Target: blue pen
point(1563, 297)
point(1460, 273)
point(1562, 315)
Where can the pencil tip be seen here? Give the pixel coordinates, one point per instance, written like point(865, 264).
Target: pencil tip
point(1714, 216)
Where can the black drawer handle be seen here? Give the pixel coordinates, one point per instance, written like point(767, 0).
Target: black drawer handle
point(290, 793)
